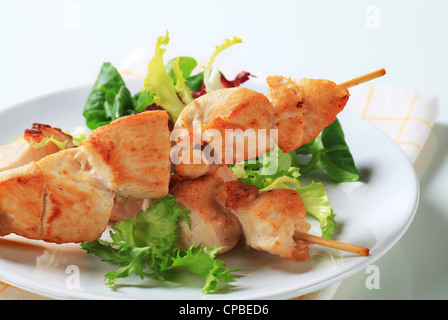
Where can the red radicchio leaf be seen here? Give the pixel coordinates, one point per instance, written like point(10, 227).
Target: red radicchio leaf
point(240, 78)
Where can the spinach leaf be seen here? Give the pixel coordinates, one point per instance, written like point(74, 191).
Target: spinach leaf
point(329, 151)
point(99, 107)
point(195, 82)
point(123, 104)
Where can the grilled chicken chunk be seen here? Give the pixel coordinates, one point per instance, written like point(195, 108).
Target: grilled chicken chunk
point(303, 108)
point(77, 205)
point(269, 219)
point(204, 123)
point(24, 149)
point(22, 201)
point(211, 224)
point(68, 196)
point(132, 155)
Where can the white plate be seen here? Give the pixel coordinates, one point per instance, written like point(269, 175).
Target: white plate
point(374, 212)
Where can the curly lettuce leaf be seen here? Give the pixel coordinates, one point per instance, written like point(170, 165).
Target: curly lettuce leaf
point(283, 182)
point(79, 134)
point(60, 144)
point(144, 246)
point(315, 199)
point(181, 86)
point(212, 76)
point(278, 170)
point(265, 171)
point(158, 85)
point(203, 262)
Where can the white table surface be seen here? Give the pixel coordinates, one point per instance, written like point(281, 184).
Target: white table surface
point(51, 45)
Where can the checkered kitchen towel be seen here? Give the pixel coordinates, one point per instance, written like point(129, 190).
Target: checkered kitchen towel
point(407, 116)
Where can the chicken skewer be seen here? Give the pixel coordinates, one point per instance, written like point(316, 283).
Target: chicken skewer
point(42, 140)
point(331, 243)
point(364, 78)
point(68, 196)
point(292, 114)
point(265, 219)
point(275, 221)
point(298, 109)
point(110, 168)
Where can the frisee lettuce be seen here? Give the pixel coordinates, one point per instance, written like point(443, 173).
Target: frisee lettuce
point(212, 76)
point(170, 87)
point(158, 85)
point(265, 170)
point(79, 134)
point(181, 87)
point(316, 203)
point(144, 246)
point(278, 170)
point(60, 144)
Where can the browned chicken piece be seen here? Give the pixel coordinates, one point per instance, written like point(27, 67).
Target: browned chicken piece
point(26, 149)
point(77, 205)
point(132, 155)
point(268, 219)
point(56, 199)
point(203, 123)
point(211, 224)
point(303, 108)
point(22, 200)
point(65, 197)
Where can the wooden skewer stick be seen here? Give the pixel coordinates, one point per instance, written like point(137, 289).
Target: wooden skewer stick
point(364, 78)
point(331, 243)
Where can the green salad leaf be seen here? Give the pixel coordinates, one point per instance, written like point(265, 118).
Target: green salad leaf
point(186, 65)
point(316, 203)
point(181, 86)
point(329, 151)
point(60, 144)
point(278, 170)
point(159, 85)
point(123, 104)
point(265, 170)
point(144, 246)
point(98, 108)
point(212, 76)
point(79, 134)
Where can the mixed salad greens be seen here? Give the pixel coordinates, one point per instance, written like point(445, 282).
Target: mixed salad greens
point(144, 245)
